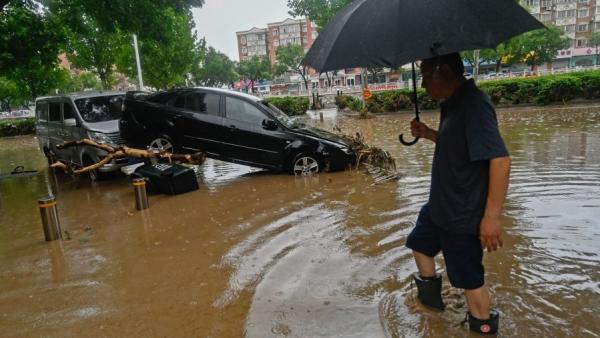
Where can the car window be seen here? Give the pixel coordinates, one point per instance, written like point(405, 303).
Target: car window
point(243, 111)
point(68, 111)
point(54, 111)
point(100, 108)
point(41, 111)
point(203, 103)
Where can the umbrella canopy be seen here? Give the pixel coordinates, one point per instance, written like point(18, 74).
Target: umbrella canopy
point(390, 33)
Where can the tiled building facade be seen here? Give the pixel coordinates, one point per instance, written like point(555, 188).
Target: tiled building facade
point(265, 41)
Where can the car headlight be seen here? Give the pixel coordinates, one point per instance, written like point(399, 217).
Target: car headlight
point(101, 138)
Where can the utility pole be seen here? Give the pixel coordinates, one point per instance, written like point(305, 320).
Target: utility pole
point(138, 64)
point(476, 64)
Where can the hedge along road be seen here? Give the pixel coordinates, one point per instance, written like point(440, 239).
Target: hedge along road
point(269, 255)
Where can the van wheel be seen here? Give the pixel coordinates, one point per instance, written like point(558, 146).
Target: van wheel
point(50, 156)
point(162, 143)
point(305, 165)
point(94, 175)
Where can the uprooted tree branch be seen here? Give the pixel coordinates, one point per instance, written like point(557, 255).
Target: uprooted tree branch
point(121, 152)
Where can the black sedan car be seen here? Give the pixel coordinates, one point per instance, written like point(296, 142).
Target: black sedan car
point(230, 126)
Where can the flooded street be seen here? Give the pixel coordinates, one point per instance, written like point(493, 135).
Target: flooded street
point(263, 255)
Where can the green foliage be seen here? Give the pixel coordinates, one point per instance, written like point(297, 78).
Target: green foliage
point(217, 69)
point(165, 62)
point(254, 69)
point(75, 83)
point(30, 41)
point(291, 105)
point(559, 89)
point(356, 105)
point(319, 11)
point(17, 127)
point(288, 60)
point(541, 45)
point(9, 93)
point(342, 101)
point(546, 89)
point(89, 46)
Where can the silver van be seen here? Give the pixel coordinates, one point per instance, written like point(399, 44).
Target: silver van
point(66, 117)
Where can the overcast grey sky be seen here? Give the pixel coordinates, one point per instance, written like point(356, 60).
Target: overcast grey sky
point(218, 20)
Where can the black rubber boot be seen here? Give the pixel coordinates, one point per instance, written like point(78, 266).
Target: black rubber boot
point(430, 291)
point(486, 326)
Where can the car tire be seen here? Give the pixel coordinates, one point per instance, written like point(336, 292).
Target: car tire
point(305, 164)
point(50, 156)
point(162, 143)
point(94, 175)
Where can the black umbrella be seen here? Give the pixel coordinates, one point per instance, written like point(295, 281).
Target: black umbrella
point(391, 33)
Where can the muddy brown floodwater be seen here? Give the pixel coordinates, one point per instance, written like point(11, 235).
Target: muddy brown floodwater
point(262, 255)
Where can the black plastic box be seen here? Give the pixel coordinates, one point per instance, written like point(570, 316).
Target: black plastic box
point(171, 179)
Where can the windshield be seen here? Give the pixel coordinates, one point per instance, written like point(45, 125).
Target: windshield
point(282, 117)
point(100, 108)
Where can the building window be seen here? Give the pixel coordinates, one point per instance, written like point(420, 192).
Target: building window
point(596, 26)
point(582, 13)
point(547, 17)
point(582, 43)
point(244, 50)
point(582, 28)
point(276, 43)
point(275, 32)
point(584, 1)
point(243, 40)
point(304, 28)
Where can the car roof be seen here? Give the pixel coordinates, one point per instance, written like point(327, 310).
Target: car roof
point(84, 94)
point(230, 93)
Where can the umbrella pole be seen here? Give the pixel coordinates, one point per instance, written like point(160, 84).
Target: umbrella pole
point(414, 81)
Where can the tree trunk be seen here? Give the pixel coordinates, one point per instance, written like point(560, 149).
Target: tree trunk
point(498, 65)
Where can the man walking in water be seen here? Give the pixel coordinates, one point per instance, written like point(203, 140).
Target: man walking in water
point(469, 180)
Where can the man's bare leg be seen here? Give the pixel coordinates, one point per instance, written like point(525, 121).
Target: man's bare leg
point(478, 301)
point(425, 264)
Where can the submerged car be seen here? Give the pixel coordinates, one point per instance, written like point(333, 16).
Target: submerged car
point(74, 116)
point(230, 126)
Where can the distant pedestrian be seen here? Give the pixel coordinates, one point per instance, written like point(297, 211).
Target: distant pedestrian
point(469, 180)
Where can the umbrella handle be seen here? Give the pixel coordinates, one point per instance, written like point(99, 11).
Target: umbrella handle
point(401, 138)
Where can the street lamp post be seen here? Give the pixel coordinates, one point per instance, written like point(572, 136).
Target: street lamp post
point(138, 64)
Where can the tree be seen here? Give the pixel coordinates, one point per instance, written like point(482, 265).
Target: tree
point(595, 42)
point(374, 74)
point(541, 45)
point(254, 69)
point(289, 58)
point(9, 93)
point(30, 41)
point(320, 11)
point(90, 46)
point(167, 62)
point(217, 69)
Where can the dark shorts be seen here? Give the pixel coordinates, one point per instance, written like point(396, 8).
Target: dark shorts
point(462, 252)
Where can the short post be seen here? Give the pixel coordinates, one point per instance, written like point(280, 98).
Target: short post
point(141, 198)
point(321, 116)
point(50, 221)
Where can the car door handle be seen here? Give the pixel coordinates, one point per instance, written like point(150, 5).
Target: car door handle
point(232, 128)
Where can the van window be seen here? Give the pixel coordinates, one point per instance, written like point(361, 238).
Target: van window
point(68, 111)
point(41, 111)
point(54, 112)
point(100, 108)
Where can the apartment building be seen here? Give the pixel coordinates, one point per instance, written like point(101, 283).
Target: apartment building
point(265, 41)
point(290, 32)
point(252, 42)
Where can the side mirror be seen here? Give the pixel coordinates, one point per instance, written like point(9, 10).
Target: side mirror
point(269, 124)
point(70, 122)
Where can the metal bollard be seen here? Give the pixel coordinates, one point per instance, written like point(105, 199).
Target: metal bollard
point(141, 198)
point(50, 221)
point(321, 116)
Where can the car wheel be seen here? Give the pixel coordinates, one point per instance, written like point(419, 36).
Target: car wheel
point(305, 165)
point(50, 156)
point(162, 143)
point(94, 175)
